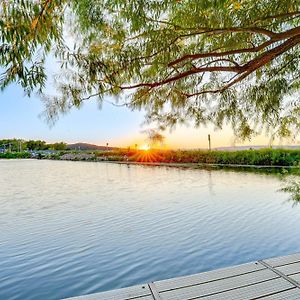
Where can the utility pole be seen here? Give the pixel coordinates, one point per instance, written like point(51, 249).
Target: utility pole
point(209, 143)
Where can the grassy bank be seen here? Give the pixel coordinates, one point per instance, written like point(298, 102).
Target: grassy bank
point(262, 157)
point(14, 155)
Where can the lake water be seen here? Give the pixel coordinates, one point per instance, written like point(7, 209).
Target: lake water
point(73, 228)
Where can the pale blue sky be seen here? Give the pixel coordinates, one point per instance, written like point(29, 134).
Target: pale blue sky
point(20, 118)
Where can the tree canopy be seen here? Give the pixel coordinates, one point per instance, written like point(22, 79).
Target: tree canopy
point(222, 61)
point(17, 145)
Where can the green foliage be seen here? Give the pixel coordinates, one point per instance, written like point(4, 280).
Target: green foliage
point(271, 157)
point(57, 146)
point(13, 145)
point(292, 187)
point(16, 155)
point(16, 145)
point(222, 62)
point(28, 31)
point(36, 145)
point(262, 157)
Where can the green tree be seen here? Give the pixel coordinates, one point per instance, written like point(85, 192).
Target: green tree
point(36, 145)
point(14, 145)
point(220, 61)
point(58, 146)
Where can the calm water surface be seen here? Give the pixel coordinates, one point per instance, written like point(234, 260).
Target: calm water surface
point(72, 228)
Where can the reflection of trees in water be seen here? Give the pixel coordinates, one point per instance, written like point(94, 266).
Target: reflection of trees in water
point(290, 178)
point(292, 187)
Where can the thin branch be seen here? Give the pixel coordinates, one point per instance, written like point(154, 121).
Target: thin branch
point(116, 104)
point(104, 100)
point(183, 75)
point(283, 15)
point(278, 16)
point(166, 23)
point(206, 30)
point(285, 65)
point(258, 30)
point(221, 60)
point(204, 92)
point(40, 15)
point(201, 30)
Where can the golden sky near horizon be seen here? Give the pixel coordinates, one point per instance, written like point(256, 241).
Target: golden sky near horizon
point(190, 138)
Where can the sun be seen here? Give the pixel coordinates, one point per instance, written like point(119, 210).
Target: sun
point(145, 147)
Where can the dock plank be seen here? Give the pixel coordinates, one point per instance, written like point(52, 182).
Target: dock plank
point(139, 292)
point(296, 277)
point(168, 284)
point(219, 286)
point(251, 292)
point(293, 294)
point(290, 269)
point(283, 260)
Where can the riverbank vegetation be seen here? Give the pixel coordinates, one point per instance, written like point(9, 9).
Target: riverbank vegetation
point(261, 157)
point(15, 155)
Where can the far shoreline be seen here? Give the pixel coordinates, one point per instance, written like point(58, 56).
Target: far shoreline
point(203, 166)
point(262, 160)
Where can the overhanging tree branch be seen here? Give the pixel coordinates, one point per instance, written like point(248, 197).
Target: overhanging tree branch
point(244, 70)
point(277, 37)
point(255, 64)
point(264, 59)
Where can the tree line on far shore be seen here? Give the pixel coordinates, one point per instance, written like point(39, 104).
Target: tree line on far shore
point(18, 145)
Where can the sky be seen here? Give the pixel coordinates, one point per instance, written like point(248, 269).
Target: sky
point(21, 117)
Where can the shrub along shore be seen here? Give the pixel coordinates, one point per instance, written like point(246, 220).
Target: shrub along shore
point(261, 157)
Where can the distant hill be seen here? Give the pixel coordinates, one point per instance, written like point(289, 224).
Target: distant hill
point(86, 146)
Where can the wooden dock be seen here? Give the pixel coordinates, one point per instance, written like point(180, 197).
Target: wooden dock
point(270, 279)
